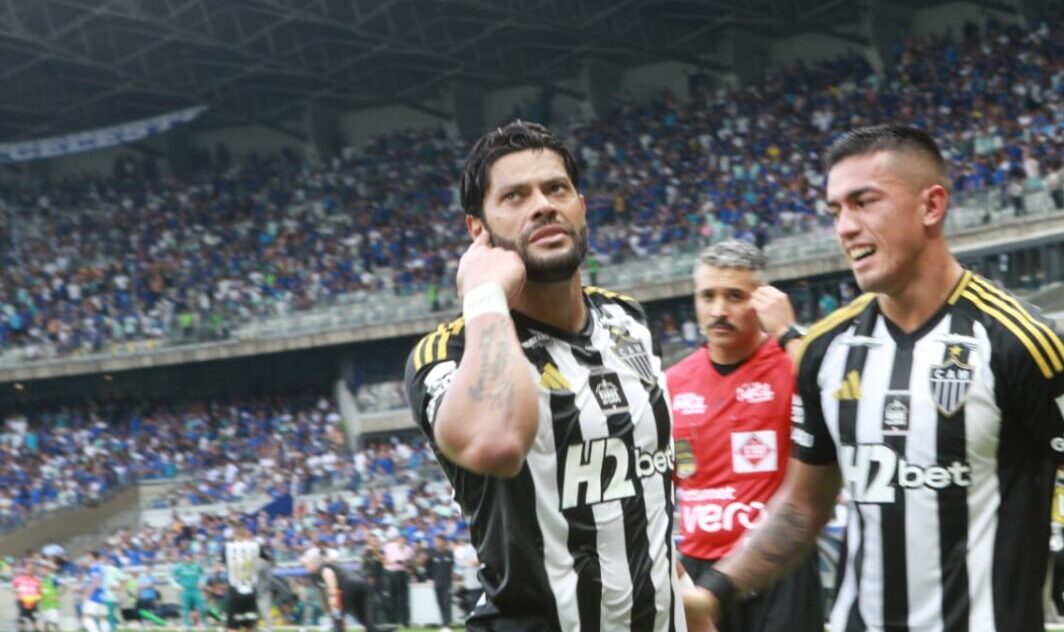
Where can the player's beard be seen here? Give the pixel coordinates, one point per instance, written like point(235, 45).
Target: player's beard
point(557, 268)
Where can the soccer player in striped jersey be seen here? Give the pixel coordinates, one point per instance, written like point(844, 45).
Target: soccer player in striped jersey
point(548, 410)
point(935, 398)
point(241, 556)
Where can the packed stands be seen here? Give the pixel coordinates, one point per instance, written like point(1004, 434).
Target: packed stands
point(270, 446)
point(107, 261)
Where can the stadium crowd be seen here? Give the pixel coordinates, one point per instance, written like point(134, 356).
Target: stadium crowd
point(103, 261)
point(390, 522)
point(59, 458)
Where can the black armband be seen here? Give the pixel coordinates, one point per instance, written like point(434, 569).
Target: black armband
point(722, 587)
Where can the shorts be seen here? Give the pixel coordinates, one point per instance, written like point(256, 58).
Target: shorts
point(50, 616)
point(27, 613)
point(793, 604)
point(94, 609)
point(241, 610)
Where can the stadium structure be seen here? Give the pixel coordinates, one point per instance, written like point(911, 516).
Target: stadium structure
point(214, 132)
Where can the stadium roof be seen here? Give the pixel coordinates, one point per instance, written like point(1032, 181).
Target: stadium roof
point(69, 65)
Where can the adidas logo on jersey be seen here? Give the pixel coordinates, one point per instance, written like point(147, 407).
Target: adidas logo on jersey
point(850, 389)
point(553, 380)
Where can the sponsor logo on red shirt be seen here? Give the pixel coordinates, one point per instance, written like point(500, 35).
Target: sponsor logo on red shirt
point(754, 452)
point(755, 393)
point(689, 404)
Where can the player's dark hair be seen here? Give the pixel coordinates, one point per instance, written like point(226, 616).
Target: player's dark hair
point(512, 137)
point(875, 138)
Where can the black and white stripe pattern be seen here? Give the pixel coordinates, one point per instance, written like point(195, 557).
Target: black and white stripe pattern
point(909, 517)
point(603, 511)
point(947, 438)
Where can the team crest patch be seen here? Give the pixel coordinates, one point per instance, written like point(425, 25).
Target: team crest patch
point(634, 353)
point(950, 382)
point(685, 459)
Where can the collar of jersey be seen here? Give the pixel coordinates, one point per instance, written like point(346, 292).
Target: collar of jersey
point(526, 322)
point(908, 340)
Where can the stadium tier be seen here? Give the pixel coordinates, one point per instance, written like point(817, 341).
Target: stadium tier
point(101, 261)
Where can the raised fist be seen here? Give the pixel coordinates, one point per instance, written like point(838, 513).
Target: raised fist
point(773, 310)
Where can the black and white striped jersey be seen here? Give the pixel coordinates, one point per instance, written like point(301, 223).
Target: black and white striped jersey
point(581, 538)
point(947, 439)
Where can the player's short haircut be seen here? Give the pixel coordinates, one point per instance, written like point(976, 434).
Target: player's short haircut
point(734, 254)
point(876, 138)
point(510, 138)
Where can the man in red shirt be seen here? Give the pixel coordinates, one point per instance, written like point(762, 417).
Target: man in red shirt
point(27, 589)
point(731, 405)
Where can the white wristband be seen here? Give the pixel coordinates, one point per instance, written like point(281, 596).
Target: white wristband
point(488, 298)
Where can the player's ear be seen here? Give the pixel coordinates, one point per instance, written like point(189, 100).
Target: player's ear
point(474, 225)
point(935, 203)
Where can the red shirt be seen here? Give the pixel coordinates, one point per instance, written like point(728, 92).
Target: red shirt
point(27, 590)
point(732, 436)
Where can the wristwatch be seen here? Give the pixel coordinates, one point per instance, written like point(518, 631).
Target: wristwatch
point(792, 333)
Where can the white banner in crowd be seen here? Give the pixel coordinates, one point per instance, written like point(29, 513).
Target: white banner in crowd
point(92, 139)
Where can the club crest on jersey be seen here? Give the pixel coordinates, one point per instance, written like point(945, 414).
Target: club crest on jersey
point(633, 353)
point(950, 382)
point(686, 465)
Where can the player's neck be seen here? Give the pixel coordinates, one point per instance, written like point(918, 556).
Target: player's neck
point(918, 300)
point(737, 353)
point(560, 305)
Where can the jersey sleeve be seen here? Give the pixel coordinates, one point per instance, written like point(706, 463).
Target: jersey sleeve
point(430, 371)
point(810, 440)
point(1031, 375)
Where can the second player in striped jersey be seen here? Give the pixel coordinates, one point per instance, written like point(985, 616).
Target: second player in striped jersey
point(936, 400)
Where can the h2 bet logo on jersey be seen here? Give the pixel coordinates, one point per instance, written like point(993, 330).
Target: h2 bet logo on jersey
point(603, 469)
point(872, 473)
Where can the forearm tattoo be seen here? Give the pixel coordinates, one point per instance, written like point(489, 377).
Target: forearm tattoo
point(779, 543)
point(492, 383)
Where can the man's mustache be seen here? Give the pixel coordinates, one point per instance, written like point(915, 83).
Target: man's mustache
point(723, 322)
